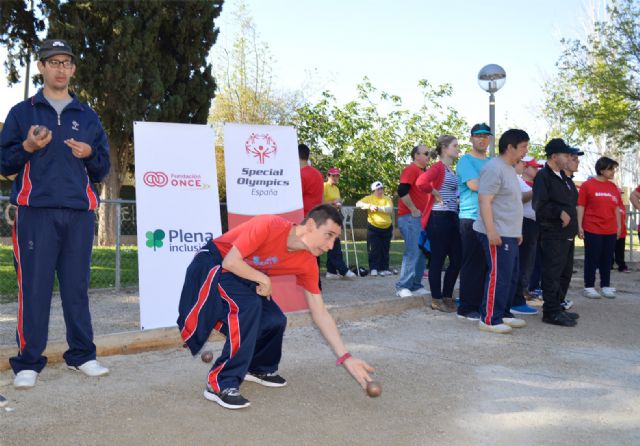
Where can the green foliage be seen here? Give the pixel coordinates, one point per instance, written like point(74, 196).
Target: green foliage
point(370, 138)
point(597, 90)
point(19, 26)
point(246, 93)
point(140, 61)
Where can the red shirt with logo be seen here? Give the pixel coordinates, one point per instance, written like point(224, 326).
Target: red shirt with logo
point(312, 188)
point(409, 176)
point(601, 201)
point(262, 241)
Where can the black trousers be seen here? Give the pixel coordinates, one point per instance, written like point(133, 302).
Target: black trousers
point(473, 269)
point(557, 268)
point(378, 245)
point(619, 254)
point(527, 257)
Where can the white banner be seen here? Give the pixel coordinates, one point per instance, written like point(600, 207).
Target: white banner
point(178, 210)
point(262, 171)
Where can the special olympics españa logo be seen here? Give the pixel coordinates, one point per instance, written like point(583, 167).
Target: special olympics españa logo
point(155, 179)
point(261, 147)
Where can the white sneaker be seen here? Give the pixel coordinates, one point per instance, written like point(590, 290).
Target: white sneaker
point(591, 293)
point(331, 276)
point(374, 273)
point(25, 379)
point(420, 292)
point(386, 273)
point(91, 368)
point(404, 292)
point(609, 292)
point(514, 322)
point(500, 328)
point(350, 275)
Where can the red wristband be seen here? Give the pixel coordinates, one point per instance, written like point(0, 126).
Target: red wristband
point(343, 358)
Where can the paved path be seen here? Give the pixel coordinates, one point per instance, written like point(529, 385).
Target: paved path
point(444, 383)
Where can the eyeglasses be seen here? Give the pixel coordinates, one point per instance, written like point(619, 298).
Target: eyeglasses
point(66, 64)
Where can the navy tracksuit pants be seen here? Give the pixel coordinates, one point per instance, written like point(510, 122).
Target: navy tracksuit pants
point(502, 278)
point(254, 326)
point(46, 242)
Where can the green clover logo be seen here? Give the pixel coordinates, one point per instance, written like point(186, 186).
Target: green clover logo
point(154, 238)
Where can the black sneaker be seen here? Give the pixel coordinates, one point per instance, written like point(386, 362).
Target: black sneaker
point(560, 318)
point(3, 401)
point(574, 316)
point(266, 379)
point(228, 398)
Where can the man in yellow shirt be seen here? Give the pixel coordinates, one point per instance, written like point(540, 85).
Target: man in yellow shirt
point(379, 228)
point(336, 268)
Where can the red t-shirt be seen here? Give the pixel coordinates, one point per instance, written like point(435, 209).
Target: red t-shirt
point(601, 200)
point(638, 188)
point(409, 176)
point(262, 241)
point(312, 188)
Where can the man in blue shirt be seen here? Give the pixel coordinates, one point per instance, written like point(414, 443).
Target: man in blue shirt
point(57, 148)
point(473, 269)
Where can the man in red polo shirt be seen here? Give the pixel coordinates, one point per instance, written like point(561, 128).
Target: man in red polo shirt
point(412, 202)
point(312, 181)
point(228, 288)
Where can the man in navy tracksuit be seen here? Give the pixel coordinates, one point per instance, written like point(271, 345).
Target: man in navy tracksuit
point(57, 147)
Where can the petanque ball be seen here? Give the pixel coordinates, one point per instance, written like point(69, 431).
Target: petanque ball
point(374, 389)
point(207, 356)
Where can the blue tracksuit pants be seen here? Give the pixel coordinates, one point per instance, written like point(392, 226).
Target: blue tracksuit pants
point(501, 280)
point(46, 242)
point(213, 299)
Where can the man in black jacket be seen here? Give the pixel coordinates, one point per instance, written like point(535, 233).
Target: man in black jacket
point(554, 200)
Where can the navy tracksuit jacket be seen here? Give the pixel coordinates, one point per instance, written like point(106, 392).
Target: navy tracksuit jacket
point(54, 223)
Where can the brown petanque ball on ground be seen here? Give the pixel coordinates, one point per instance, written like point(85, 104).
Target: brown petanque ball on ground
point(207, 356)
point(374, 389)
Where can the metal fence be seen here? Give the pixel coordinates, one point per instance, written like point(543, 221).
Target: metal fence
point(116, 266)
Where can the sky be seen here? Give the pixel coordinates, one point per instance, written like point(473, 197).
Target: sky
point(395, 44)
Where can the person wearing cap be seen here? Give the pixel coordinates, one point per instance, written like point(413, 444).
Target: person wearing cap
point(555, 199)
point(527, 249)
point(499, 229)
point(58, 149)
point(472, 267)
point(599, 224)
point(410, 206)
point(336, 268)
point(379, 209)
point(440, 219)
point(570, 170)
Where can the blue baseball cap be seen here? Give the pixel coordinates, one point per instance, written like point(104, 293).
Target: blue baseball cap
point(481, 129)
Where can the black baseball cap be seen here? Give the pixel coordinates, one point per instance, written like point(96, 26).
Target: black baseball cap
point(576, 151)
point(53, 47)
point(557, 145)
point(481, 129)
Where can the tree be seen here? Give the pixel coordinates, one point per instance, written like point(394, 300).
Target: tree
point(138, 61)
point(368, 143)
point(596, 93)
point(20, 24)
point(246, 92)
point(245, 79)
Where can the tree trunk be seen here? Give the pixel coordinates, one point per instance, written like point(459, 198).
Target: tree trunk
point(107, 212)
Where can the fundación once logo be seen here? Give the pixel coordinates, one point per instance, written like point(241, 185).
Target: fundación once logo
point(155, 179)
point(261, 147)
point(155, 238)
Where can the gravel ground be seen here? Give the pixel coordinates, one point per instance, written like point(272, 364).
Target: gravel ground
point(444, 382)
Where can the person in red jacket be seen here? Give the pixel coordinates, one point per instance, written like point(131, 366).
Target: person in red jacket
point(599, 223)
point(440, 219)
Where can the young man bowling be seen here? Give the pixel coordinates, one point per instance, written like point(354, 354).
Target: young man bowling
point(228, 288)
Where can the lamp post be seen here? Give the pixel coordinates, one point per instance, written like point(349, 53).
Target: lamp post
point(491, 78)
